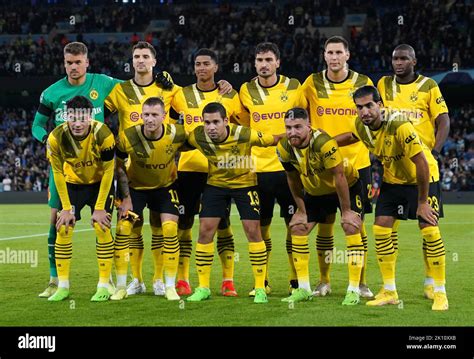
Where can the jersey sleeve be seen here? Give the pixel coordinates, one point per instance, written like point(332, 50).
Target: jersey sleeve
point(42, 115)
point(380, 86)
point(180, 137)
point(301, 98)
point(331, 154)
point(111, 101)
point(437, 105)
point(110, 82)
point(284, 157)
point(121, 146)
point(107, 149)
point(178, 104)
point(260, 139)
point(55, 158)
point(192, 139)
point(407, 136)
point(239, 113)
point(306, 87)
point(107, 156)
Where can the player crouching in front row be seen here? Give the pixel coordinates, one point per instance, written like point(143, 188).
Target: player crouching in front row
point(81, 152)
point(319, 183)
point(410, 190)
point(149, 180)
point(231, 176)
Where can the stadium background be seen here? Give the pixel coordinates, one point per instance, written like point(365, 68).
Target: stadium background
point(33, 34)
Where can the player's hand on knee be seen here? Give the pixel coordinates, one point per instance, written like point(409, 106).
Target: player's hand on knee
point(65, 218)
point(224, 87)
point(101, 217)
point(124, 207)
point(351, 218)
point(427, 212)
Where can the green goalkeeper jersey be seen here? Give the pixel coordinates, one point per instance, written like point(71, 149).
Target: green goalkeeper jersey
point(53, 100)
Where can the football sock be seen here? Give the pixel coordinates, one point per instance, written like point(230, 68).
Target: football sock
point(204, 257)
point(435, 256)
point(170, 252)
point(363, 272)
point(385, 255)
point(63, 255)
point(157, 244)
point(105, 253)
point(186, 248)
point(225, 249)
point(355, 256)
point(394, 236)
point(136, 252)
point(324, 248)
point(121, 250)
point(266, 236)
point(293, 275)
point(258, 260)
point(300, 251)
point(428, 268)
point(51, 248)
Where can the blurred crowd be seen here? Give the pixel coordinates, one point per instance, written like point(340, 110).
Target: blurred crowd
point(23, 164)
point(233, 31)
point(458, 151)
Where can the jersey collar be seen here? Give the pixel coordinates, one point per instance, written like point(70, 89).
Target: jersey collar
point(268, 87)
point(214, 89)
point(417, 76)
point(349, 72)
point(151, 83)
point(142, 127)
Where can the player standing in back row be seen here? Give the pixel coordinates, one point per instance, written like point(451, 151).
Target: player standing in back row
point(420, 99)
point(78, 82)
point(267, 98)
point(331, 108)
point(189, 102)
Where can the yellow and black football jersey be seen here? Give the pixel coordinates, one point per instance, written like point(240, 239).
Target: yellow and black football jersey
point(127, 99)
point(84, 161)
point(421, 101)
point(189, 103)
point(267, 107)
point(332, 109)
point(230, 161)
point(151, 163)
point(394, 144)
point(314, 163)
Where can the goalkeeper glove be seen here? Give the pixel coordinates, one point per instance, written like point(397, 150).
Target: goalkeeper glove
point(164, 80)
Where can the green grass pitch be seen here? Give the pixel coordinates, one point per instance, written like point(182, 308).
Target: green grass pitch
point(23, 227)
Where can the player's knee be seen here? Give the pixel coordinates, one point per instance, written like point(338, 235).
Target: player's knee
point(170, 228)
point(349, 229)
point(299, 230)
point(124, 227)
point(99, 232)
point(62, 231)
point(253, 231)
